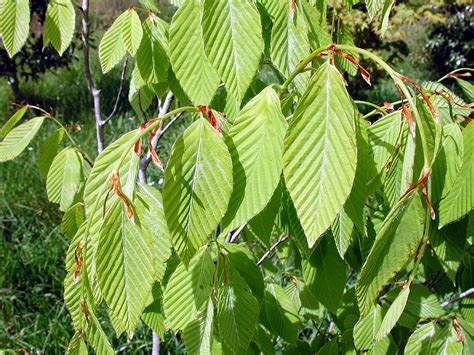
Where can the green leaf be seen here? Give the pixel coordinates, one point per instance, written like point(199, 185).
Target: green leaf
point(289, 42)
point(355, 204)
point(448, 162)
point(198, 184)
point(383, 136)
point(98, 185)
point(320, 152)
point(325, 274)
point(73, 219)
point(421, 339)
point(19, 138)
point(65, 178)
point(126, 251)
point(421, 303)
point(318, 34)
point(332, 347)
point(188, 289)
point(263, 224)
point(243, 261)
point(255, 143)
point(400, 170)
point(112, 48)
point(396, 242)
point(342, 230)
point(292, 226)
point(78, 299)
point(97, 338)
point(237, 313)
point(152, 56)
point(153, 313)
point(149, 201)
point(233, 42)
point(374, 8)
point(468, 332)
point(281, 313)
point(387, 9)
point(467, 88)
point(59, 24)
point(150, 4)
point(14, 24)
point(199, 333)
point(460, 198)
point(190, 64)
point(132, 31)
point(393, 314)
point(48, 151)
point(447, 110)
point(448, 244)
point(344, 36)
point(366, 329)
point(77, 346)
point(17, 116)
point(432, 339)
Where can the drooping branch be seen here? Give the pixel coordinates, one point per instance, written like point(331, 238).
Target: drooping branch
point(119, 94)
point(459, 297)
point(233, 236)
point(270, 251)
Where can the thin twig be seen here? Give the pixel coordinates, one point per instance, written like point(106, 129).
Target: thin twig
point(232, 237)
point(459, 297)
point(95, 93)
point(119, 94)
point(272, 249)
point(146, 160)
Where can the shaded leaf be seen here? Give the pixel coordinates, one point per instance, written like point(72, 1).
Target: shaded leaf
point(325, 274)
point(188, 289)
point(396, 242)
point(255, 143)
point(281, 313)
point(48, 151)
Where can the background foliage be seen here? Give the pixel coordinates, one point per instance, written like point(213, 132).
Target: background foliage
point(34, 256)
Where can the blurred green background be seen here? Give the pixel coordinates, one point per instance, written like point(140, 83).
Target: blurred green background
point(425, 40)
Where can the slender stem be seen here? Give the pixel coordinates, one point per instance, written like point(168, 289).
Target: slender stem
point(454, 71)
point(272, 249)
point(377, 108)
point(68, 135)
point(119, 93)
point(300, 67)
point(400, 83)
